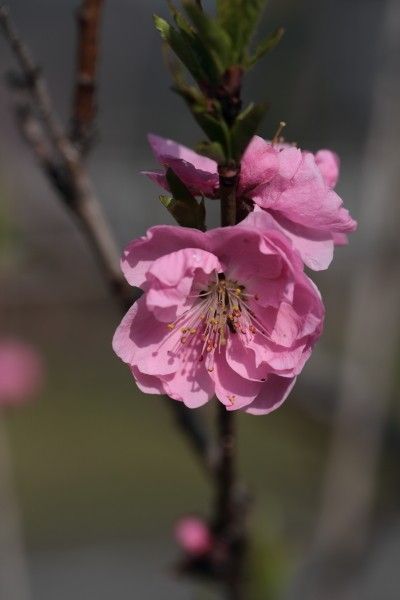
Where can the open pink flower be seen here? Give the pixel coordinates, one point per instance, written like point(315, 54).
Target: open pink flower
point(21, 372)
point(295, 187)
point(194, 536)
point(228, 312)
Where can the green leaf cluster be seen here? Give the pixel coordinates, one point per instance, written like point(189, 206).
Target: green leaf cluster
point(216, 51)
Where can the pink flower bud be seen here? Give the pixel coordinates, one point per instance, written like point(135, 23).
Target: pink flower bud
point(193, 535)
point(21, 372)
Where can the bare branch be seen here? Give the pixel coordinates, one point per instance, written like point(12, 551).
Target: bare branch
point(68, 175)
point(76, 189)
point(32, 77)
point(84, 103)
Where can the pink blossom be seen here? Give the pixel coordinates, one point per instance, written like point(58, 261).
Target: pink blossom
point(294, 186)
point(228, 312)
point(194, 536)
point(21, 372)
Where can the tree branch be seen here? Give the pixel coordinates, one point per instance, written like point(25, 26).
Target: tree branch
point(63, 165)
point(84, 102)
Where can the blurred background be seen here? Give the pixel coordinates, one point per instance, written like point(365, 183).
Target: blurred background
point(93, 473)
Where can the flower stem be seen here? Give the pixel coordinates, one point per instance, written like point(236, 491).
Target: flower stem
point(229, 524)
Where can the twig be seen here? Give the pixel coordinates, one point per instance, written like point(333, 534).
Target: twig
point(84, 102)
point(77, 194)
point(68, 175)
point(226, 476)
point(196, 437)
point(231, 503)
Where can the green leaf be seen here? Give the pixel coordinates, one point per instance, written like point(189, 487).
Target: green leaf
point(212, 150)
point(183, 206)
point(265, 46)
point(240, 18)
point(211, 34)
point(181, 48)
point(210, 61)
point(245, 127)
point(184, 215)
point(215, 128)
point(179, 189)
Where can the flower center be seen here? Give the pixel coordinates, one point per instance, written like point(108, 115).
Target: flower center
point(220, 310)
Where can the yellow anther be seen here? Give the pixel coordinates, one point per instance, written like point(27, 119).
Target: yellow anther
point(171, 325)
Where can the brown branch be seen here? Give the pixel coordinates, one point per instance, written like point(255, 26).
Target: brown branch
point(228, 178)
point(232, 503)
point(84, 102)
point(67, 173)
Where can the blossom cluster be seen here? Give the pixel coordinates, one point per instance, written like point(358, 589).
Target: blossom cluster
point(231, 312)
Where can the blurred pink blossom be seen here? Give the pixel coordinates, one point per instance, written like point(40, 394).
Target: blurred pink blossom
point(228, 312)
point(193, 536)
point(294, 186)
point(21, 372)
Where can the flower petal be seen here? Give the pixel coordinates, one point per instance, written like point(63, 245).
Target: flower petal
point(170, 280)
point(315, 247)
point(199, 173)
point(231, 389)
point(191, 383)
point(273, 394)
point(259, 164)
point(328, 163)
point(140, 254)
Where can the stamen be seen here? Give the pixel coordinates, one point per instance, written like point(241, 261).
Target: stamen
point(218, 311)
point(276, 137)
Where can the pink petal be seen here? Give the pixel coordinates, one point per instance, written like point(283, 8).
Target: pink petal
point(231, 389)
point(273, 394)
point(340, 239)
point(140, 254)
point(170, 280)
point(259, 164)
point(149, 384)
point(244, 360)
point(163, 147)
point(305, 198)
point(315, 247)
point(199, 173)
point(142, 341)
point(329, 164)
point(157, 177)
point(191, 384)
